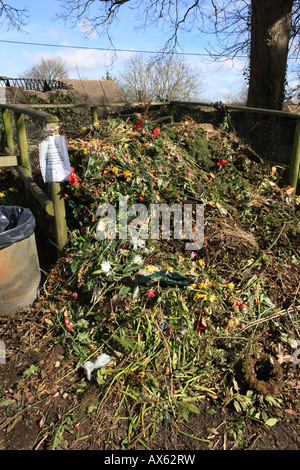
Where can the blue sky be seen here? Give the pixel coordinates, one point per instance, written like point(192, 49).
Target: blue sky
point(218, 81)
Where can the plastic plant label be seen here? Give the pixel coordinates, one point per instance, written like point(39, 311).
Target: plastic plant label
point(54, 159)
point(2, 352)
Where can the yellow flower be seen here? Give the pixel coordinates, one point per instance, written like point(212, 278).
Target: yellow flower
point(230, 285)
point(137, 170)
point(211, 203)
point(200, 262)
point(115, 169)
point(127, 174)
point(83, 128)
point(201, 296)
point(12, 190)
point(151, 269)
point(212, 298)
point(170, 269)
point(201, 285)
point(2, 195)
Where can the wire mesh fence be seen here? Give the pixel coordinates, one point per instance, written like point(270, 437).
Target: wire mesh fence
point(270, 136)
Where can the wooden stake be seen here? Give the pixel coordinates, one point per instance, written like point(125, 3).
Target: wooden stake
point(295, 161)
point(94, 115)
point(7, 128)
point(60, 222)
point(22, 139)
point(61, 235)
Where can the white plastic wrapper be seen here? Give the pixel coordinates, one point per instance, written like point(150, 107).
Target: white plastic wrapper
point(101, 361)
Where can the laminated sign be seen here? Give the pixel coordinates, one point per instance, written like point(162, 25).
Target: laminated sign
point(54, 159)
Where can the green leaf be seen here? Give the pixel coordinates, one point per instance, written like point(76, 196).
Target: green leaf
point(135, 292)
point(31, 370)
point(271, 421)
point(124, 290)
point(7, 402)
point(193, 408)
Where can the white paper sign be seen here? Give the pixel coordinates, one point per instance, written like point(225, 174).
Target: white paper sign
point(54, 159)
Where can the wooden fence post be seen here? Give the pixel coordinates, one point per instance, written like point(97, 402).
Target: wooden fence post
point(51, 126)
point(295, 161)
point(22, 139)
point(8, 131)
point(94, 115)
point(61, 236)
point(171, 111)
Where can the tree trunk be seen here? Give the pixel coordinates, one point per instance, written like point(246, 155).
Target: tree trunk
point(270, 33)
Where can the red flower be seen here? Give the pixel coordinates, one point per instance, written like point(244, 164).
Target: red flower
point(73, 178)
point(222, 162)
point(74, 295)
point(155, 132)
point(67, 322)
point(138, 125)
point(150, 293)
point(200, 323)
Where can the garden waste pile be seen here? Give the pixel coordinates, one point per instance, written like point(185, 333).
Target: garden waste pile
point(157, 328)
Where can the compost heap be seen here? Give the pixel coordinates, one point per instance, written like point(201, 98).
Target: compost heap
point(173, 322)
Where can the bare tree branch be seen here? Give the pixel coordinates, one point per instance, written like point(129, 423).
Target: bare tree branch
point(15, 18)
point(168, 79)
point(48, 69)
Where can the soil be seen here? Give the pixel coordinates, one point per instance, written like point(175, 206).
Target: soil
point(33, 403)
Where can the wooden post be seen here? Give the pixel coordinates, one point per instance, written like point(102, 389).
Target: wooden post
point(51, 126)
point(94, 115)
point(295, 161)
point(171, 111)
point(61, 236)
point(22, 139)
point(7, 128)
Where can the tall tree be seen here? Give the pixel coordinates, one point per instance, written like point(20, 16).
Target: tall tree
point(261, 29)
point(270, 36)
point(48, 69)
point(150, 80)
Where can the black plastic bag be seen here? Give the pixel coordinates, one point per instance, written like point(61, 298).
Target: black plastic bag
point(16, 224)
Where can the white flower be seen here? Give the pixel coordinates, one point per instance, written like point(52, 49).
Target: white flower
point(136, 242)
point(106, 267)
point(138, 259)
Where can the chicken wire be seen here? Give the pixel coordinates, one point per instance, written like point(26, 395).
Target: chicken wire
point(271, 137)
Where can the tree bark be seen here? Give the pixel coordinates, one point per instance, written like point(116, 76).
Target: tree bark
point(270, 34)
